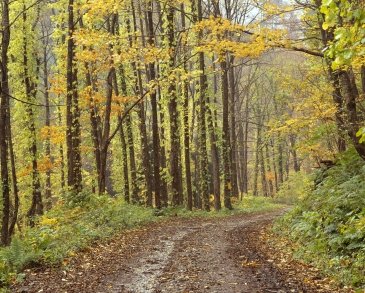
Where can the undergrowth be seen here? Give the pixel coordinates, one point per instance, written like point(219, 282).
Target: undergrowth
point(328, 226)
point(70, 227)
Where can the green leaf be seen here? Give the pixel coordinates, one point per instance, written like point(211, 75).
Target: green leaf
point(348, 54)
point(327, 2)
point(325, 26)
point(360, 132)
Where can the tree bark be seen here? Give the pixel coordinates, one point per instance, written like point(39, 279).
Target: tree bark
point(4, 112)
point(175, 159)
point(154, 106)
point(204, 176)
point(226, 135)
point(233, 127)
point(48, 187)
point(31, 92)
point(189, 201)
point(74, 177)
point(214, 151)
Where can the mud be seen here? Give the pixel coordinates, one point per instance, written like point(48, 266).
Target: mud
point(181, 255)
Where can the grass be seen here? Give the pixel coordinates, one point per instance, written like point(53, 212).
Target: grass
point(66, 229)
point(248, 204)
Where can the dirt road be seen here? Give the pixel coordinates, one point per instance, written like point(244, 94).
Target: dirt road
point(196, 255)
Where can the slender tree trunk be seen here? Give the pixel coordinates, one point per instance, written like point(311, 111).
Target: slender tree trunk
point(48, 187)
point(280, 162)
point(146, 159)
point(296, 164)
point(74, 177)
point(186, 124)
point(214, 150)
point(233, 127)
point(175, 160)
point(14, 179)
point(162, 141)
point(257, 161)
point(155, 130)
point(4, 112)
point(163, 161)
point(363, 79)
point(240, 157)
point(31, 92)
point(226, 135)
point(62, 154)
point(130, 142)
point(204, 177)
point(272, 144)
point(125, 165)
point(263, 171)
point(269, 171)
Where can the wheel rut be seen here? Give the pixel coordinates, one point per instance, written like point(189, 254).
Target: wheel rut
point(217, 255)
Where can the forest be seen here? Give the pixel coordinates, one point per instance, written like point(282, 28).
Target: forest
point(118, 114)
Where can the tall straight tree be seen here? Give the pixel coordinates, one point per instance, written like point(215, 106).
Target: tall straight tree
point(214, 150)
point(203, 87)
point(73, 128)
point(153, 95)
point(189, 191)
point(146, 165)
point(4, 125)
point(31, 93)
point(175, 149)
point(226, 148)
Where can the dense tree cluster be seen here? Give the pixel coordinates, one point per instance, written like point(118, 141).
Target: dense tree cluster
point(183, 103)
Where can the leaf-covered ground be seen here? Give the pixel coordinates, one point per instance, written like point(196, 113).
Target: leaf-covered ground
point(231, 254)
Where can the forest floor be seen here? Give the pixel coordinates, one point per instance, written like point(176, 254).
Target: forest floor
point(228, 255)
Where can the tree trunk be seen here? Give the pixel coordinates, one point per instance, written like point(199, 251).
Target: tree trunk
point(155, 131)
point(130, 142)
point(296, 164)
point(74, 177)
point(257, 161)
point(226, 135)
point(269, 171)
point(214, 150)
point(142, 119)
point(31, 92)
point(233, 127)
point(125, 165)
point(48, 187)
point(186, 124)
point(350, 93)
point(61, 152)
point(4, 112)
point(204, 177)
point(175, 160)
point(245, 148)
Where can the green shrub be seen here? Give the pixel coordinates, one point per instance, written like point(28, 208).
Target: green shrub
point(67, 229)
point(298, 185)
point(329, 223)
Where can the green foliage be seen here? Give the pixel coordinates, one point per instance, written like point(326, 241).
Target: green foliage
point(347, 21)
point(253, 204)
point(67, 229)
point(329, 225)
point(295, 188)
point(361, 134)
point(248, 204)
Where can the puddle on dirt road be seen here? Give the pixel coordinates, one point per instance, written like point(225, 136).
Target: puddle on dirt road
point(142, 275)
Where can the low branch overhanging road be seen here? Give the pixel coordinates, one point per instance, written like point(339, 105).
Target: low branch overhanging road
point(178, 255)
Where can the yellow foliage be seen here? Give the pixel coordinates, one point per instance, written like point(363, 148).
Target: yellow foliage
point(45, 221)
point(56, 134)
